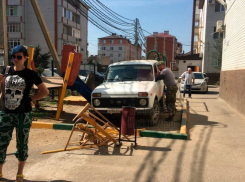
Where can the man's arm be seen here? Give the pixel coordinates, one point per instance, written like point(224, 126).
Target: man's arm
point(193, 77)
point(183, 76)
point(160, 77)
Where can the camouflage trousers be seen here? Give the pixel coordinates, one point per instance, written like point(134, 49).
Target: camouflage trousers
point(22, 123)
point(171, 98)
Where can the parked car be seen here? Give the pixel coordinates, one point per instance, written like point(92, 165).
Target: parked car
point(200, 83)
point(205, 76)
point(130, 83)
point(48, 72)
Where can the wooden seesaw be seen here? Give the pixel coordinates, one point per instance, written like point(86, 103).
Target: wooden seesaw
point(91, 137)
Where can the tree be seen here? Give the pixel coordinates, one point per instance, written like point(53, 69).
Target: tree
point(40, 60)
point(218, 45)
point(90, 59)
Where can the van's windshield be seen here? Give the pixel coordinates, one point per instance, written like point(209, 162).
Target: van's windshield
point(129, 73)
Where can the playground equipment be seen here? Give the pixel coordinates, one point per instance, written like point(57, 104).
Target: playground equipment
point(157, 55)
point(99, 135)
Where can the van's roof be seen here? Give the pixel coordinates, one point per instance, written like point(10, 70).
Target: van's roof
point(131, 62)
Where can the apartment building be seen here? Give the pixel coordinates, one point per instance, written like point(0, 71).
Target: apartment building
point(207, 13)
point(118, 48)
point(65, 24)
point(166, 44)
point(232, 76)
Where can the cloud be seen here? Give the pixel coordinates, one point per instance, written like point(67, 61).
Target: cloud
point(140, 3)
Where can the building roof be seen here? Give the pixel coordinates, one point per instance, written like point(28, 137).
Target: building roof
point(161, 35)
point(188, 57)
point(113, 37)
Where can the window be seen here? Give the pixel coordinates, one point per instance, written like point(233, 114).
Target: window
point(103, 41)
point(103, 54)
point(111, 61)
point(219, 7)
point(111, 55)
point(103, 48)
point(75, 33)
point(111, 41)
point(13, 42)
point(111, 48)
point(67, 14)
point(73, 18)
point(119, 48)
point(11, 11)
point(214, 59)
point(217, 35)
point(119, 55)
point(13, 27)
point(120, 41)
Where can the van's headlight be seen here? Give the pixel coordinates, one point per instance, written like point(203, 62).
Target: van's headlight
point(204, 83)
point(96, 102)
point(142, 102)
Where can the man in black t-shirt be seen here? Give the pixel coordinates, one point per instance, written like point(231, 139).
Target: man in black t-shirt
point(16, 107)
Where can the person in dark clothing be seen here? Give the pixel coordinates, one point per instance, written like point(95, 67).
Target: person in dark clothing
point(167, 76)
point(16, 107)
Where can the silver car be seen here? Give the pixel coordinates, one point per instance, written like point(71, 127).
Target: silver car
point(200, 83)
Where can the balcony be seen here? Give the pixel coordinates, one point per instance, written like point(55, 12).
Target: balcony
point(69, 38)
point(14, 18)
point(196, 44)
point(14, 2)
point(71, 23)
point(15, 35)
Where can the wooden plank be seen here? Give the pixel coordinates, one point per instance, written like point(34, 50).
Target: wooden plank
point(75, 98)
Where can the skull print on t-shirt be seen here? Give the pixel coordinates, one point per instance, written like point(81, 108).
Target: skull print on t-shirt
point(14, 89)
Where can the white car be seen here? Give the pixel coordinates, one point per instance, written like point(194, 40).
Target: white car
point(130, 83)
point(200, 83)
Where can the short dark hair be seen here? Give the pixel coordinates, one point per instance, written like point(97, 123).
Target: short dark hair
point(20, 48)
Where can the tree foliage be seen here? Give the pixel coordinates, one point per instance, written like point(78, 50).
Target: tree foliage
point(218, 45)
point(41, 60)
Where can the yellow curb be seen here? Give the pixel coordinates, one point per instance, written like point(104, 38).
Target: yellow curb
point(42, 125)
point(183, 130)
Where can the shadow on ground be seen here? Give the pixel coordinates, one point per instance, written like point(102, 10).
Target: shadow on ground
point(26, 180)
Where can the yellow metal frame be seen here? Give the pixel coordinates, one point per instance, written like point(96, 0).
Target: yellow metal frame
point(66, 78)
point(31, 55)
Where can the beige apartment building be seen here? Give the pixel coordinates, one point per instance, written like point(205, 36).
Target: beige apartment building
point(118, 48)
point(65, 24)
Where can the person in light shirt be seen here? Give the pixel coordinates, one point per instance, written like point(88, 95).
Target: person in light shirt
point(189, 79)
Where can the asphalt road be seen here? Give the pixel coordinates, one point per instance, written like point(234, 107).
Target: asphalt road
point(214, 152)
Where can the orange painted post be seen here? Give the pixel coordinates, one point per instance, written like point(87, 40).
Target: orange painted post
point(31, 55)
point(66, 78)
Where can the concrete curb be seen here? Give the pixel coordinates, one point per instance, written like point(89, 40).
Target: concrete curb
point(182, 133)
point(61, 126)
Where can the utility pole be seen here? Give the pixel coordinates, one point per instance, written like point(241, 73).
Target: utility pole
point(3, 36)
point(136, 37)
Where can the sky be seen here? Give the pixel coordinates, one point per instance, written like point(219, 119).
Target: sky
point(153, 15)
